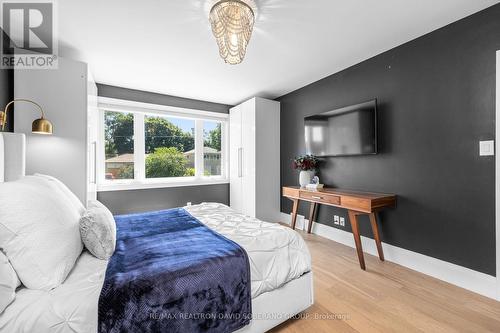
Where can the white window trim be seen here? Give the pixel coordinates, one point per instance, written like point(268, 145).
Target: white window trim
point(140, 181)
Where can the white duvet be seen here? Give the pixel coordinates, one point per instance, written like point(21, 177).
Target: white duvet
point(277, 255)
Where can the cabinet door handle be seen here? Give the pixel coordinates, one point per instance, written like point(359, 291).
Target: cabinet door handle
point(94, 166)
point(319, 198)
point(240, 162)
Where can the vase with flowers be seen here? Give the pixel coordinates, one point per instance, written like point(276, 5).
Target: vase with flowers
point(307, 165)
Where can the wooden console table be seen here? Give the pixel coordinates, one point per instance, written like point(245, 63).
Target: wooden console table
point(357, 203)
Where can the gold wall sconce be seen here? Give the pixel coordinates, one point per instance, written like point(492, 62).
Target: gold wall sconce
point(39, 126)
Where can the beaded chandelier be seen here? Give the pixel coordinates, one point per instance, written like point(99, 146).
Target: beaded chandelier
point(232, 24)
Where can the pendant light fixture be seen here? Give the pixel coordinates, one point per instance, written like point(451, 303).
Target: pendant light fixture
point(232, 24)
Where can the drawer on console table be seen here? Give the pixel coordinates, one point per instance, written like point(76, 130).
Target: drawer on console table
point(320, 197)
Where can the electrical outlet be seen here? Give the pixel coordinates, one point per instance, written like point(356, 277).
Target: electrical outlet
point(189, 203)
point(487, 148)
point(342, 222)
point(336, 219)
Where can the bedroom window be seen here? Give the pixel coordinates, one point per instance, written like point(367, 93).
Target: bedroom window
point(119, 145)
point(147, 146)
point(212, 162)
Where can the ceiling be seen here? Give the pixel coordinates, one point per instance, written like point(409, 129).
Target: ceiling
point(166, 46)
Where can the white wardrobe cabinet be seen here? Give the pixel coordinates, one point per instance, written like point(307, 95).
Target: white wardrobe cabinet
point(254, 128)
point(68, 96)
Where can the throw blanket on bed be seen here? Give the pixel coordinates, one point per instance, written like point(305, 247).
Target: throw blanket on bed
point(171, 273)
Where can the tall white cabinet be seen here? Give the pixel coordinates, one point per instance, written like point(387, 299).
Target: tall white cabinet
point(68, 96)
point(255, 158)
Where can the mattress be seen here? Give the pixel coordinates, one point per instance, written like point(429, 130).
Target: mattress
point(277, 255)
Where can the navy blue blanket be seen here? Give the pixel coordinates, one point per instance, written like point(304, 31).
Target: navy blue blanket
point(170, 273)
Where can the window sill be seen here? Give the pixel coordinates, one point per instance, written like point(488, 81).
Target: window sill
point(134, 185)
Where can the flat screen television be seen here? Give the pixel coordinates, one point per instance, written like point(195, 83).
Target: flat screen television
point(348, 131)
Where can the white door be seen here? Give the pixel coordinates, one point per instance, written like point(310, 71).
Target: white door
point(497, 176)
point(235, 159)
point(92, 136)
point(248, 143)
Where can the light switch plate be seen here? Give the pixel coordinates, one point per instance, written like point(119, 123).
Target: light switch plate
point(487, 148)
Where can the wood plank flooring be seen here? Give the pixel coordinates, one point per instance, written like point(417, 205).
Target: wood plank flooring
point(385, 298)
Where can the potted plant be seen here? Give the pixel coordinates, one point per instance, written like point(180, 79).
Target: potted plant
point(307, 165)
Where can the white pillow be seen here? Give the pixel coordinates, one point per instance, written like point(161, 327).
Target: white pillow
point(98, 230)
point(8, 282)
point(39, 231)
point(66, 191)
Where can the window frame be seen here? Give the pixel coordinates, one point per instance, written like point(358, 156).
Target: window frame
point(140, 110)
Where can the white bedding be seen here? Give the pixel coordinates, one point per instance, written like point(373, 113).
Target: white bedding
point(71, 307)
point(277, 255)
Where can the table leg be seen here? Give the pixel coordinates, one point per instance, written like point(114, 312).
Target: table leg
point(353, 219)
point(376, 235)
point(294, 212)
point(312, 214)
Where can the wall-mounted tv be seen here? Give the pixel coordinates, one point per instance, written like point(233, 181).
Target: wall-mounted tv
point(348, 131)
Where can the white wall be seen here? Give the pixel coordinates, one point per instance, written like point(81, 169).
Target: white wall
point(62, 93)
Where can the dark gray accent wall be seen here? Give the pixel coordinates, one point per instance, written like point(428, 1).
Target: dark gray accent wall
point(7, 89)
point(436, 99)
point(154, 98)
point(122, 202)
point(6, 95)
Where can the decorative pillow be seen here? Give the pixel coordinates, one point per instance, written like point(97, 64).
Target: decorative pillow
point(8, 282)
point(98, 230)
point(39, 231)
point(66, 192)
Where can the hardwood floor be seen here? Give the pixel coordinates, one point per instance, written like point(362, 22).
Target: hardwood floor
point(385, 298)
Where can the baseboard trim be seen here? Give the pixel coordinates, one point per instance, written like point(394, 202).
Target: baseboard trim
point(463, 277)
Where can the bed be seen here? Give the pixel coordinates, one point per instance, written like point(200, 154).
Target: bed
point(280, 270)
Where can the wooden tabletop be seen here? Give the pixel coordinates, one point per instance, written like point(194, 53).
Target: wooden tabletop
point(339, 191)
point(361, 201)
